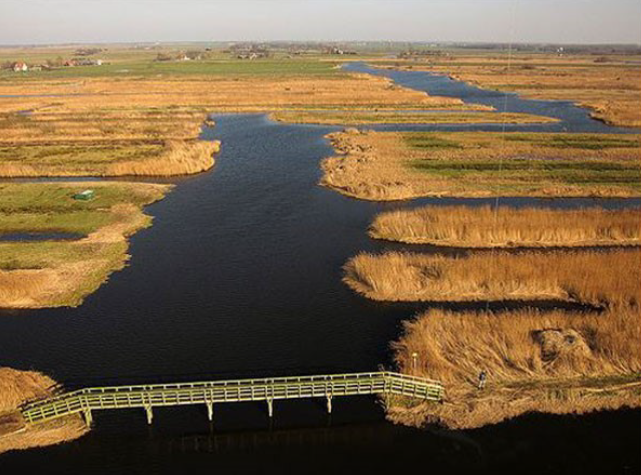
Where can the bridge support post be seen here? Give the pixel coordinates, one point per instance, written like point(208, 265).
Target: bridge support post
point(150, 414)
point(270, 407)
point(329, 404)
point(210, 411)
point(88, 417)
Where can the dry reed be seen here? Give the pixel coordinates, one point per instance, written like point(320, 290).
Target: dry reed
point(596, 278)
point(178, 158)
point(558, 362)
point(482, 227)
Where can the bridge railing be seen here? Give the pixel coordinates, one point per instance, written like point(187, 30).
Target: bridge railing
point(240, 390)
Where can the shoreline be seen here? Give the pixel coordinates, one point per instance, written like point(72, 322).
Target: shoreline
point(16, 387)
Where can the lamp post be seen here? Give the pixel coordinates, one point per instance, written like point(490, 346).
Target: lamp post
point(414, 361)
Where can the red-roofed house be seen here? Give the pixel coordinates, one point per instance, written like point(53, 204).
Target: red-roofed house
point(20, 66)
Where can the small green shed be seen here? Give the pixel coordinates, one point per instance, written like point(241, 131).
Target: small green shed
point(84, 195)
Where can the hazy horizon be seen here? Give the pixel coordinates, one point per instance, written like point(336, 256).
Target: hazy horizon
point(27, 22)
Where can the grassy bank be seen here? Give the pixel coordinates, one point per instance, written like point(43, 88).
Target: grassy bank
point(17, 387)
point(406, 117)
point(483, 227)
point(557, 362)
point(392, 165)
point(62, 273)
point(589, 277)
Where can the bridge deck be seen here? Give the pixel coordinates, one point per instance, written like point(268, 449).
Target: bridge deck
point(215, 392)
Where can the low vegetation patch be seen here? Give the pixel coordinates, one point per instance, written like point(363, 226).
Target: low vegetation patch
point(392, 166)
point(482, 227)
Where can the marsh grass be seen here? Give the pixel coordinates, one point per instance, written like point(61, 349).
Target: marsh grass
point(590, 277)
point(405, 117)
point(149, 158)
point(547, 361)
point(387, 166)
point(482, 227)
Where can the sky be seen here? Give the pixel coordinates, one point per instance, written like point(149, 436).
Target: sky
point(524, 21)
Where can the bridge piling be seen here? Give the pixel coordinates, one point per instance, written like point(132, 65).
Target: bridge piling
point(329, 403)
point(88, 417)
point(150, 414)
point(270, 407)
point(210, 411)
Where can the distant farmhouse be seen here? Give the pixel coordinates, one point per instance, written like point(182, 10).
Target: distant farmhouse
point(339, 51)
point(249, 51)
point(20, 66)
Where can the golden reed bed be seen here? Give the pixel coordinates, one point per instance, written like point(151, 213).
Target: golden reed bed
point(546, 361)
point(552, 361)
point(485, 227)
point(589, 277)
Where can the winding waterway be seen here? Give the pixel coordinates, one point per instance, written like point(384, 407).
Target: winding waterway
point(240, 275)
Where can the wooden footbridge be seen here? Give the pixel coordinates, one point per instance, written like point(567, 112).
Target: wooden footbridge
point(208, 393)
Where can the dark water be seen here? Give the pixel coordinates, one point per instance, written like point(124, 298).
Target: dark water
point(241, 275)
point(40, 237)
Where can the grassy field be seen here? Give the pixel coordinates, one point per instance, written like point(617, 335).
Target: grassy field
point(62, 273)
point(148, 68)
point(123, 61)
point(392, 165)
point(17, 387)
point(606, 84)
point(589, 277)
point(484, 227)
